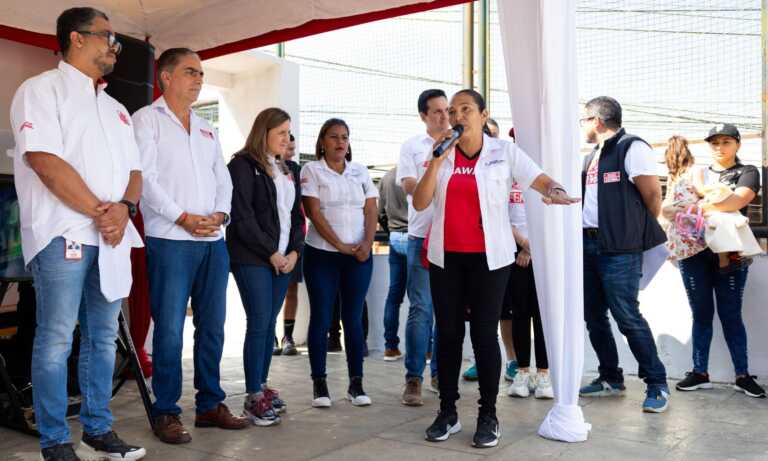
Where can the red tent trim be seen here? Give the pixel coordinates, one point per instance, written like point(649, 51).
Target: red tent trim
point(30, 38)
point(48, 41)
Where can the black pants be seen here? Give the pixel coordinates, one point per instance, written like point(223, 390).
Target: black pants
point(466, 280)
point(522, 300)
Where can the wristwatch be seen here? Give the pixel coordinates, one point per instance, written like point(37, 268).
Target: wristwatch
point(132, 210)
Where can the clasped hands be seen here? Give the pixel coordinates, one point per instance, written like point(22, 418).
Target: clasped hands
point(111, 219)
point(361, 251)
point(201, 226)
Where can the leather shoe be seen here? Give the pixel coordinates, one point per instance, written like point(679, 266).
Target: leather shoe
point(169, 429)
point(222, 418)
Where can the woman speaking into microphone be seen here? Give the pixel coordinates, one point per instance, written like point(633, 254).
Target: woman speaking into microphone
point(471, 250)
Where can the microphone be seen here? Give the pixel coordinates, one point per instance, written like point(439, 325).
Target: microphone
point(457, 130)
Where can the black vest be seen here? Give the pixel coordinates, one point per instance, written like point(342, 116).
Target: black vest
point(626, 225)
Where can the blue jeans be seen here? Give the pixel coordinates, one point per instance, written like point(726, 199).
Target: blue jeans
point(178, 270)
point(612, 282)
point(262, 293)
point(418, 328)
point(701, 276)
point(398, 274)
point(67, 292)
point(330, 274)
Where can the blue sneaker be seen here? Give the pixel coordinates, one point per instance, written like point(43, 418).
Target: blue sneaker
point(602, 388)
point(511, 370)
point(470, 374)
point(656, 399)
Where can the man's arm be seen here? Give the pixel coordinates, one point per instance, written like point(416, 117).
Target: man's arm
point(64, 182)
point(409, 185)
point(650, 189)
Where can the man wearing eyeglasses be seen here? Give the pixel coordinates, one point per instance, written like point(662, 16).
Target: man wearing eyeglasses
point(185, 202)
point(78, 178)
point(622, 198)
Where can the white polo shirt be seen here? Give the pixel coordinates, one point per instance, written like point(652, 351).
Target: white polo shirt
point(60, 113)
point(342, 199)
point(501, 163)
point(183, 171)
point(414, 159)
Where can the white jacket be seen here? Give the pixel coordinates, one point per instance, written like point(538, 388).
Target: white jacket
point(500, 164)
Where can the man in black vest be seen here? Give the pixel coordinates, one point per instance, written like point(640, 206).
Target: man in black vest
point(621, 197)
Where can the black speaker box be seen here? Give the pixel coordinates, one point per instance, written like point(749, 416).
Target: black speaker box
point(132, 80)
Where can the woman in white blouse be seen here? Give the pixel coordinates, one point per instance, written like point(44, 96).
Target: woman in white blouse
point(264, 240)
point(471, 250)
point(340, 202)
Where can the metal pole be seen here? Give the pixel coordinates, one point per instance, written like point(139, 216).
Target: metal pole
point(281, 50)
point(467, 79)
point(483, 61)
point(764, 42)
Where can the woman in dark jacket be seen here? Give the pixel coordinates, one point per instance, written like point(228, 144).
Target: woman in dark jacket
point(264, 240)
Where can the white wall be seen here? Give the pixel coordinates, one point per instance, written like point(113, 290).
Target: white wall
point(245, 84)
point(665, 306)
point(19, 62)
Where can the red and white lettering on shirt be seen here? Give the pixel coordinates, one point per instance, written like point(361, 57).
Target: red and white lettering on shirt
point(592, 172)
point(463, 226)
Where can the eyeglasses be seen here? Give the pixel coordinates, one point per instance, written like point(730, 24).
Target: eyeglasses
point(584, 120)
point(112, 40)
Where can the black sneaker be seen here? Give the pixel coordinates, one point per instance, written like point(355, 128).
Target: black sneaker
point(694, 381)
point(356, 394)
point(321, 398)
point(446, 424)
point(277, 350)
point(747, 385)
point(60, 452)
point(487, 433)
point(108, 446)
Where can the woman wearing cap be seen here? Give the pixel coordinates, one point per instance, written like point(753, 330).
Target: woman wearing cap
point(471, 250)
point(702, 274)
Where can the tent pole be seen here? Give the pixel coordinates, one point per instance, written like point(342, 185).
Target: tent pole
point(483, 46)
point(468, 49)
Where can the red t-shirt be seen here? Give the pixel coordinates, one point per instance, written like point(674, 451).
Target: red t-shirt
point(463, 222)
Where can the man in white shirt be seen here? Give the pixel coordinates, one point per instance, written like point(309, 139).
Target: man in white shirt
point(414, 158)
point(622, 199)
point(186, 199)
point(78, 177)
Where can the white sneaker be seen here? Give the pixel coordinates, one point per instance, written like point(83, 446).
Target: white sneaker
point(544, 387)
point(519, 387)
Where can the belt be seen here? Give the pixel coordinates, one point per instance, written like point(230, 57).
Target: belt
point(591, 232)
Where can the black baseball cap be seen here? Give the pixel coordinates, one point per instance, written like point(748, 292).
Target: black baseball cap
point(724, 129)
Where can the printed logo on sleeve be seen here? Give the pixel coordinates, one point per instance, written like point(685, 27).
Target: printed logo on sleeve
point(611, 176)
point(206, 134)
point(304, 180)
point(516, 195)
point(26, 125)
point(124, 118)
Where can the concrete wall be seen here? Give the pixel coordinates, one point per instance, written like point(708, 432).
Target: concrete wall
point(19, 62)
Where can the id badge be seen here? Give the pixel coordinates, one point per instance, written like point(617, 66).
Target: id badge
point(73, 251)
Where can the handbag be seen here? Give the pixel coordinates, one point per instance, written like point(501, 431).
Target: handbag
point(690, 225)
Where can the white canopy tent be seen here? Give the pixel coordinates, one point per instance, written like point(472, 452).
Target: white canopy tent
point(539, 47)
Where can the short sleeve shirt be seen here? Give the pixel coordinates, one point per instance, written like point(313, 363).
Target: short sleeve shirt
point(342, 199)
point(59, 112)
point(736, 176)
point(414, 159)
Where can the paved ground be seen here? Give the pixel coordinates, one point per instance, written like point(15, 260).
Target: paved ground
point(709, 425)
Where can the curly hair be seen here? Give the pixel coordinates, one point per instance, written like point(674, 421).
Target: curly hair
point(677, 156)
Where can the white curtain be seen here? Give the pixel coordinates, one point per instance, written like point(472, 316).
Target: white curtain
point(538, 38)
